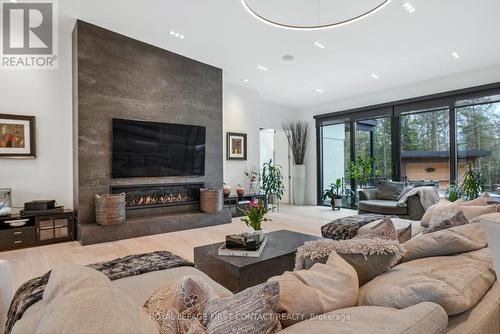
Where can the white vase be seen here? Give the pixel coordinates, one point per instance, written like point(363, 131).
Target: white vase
point(299, 184)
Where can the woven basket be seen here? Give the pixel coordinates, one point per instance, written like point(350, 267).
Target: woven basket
point(110, 209)
point(211, 200)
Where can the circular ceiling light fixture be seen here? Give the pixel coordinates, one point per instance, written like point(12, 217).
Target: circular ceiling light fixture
point(311, 15)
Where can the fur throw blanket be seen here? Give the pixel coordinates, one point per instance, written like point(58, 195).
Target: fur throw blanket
point(320, 249)
point(347, 227)
point(32, 291)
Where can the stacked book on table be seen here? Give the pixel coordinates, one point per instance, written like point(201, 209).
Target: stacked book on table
point(246, 245)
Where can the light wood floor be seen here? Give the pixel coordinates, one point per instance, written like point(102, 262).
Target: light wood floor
point(31, 262)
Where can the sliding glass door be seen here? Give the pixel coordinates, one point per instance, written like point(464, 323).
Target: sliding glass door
point(478, 138)
point(336, 154)
point(425, 147)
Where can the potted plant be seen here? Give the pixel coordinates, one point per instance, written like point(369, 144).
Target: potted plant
point(255, 215)
point(334, 193)
point(272, 182)
point(453, 193)
point(297, 134)
point(471, 184)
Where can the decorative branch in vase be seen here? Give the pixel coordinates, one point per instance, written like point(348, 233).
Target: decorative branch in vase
point(297, 134)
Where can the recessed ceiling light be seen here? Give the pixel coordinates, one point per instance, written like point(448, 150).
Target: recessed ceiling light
point(246, 80)
point(288, 57)
point(319, 90)
point(262, 68)
point(319, 45)
point(176, 34)
point(409, 7)
point(455, 55)
point(374, 76)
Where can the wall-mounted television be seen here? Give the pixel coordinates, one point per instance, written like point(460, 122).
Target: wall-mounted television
point(151, 149)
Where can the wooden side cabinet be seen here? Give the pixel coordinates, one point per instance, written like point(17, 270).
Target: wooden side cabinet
point(37, 230)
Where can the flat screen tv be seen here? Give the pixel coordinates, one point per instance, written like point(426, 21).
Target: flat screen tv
point(157, 149)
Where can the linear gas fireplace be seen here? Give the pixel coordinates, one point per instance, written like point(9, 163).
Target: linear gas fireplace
point(146, 196)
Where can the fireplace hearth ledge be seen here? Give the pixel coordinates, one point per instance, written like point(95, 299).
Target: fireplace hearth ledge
point(89, 234)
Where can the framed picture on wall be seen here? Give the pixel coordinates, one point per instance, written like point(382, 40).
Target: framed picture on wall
point(17, 136)
point(236, 146)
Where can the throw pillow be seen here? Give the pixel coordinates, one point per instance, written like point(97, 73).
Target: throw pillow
point(426, 218)
point(94, 310)
point(72, 277)
point(384, 229)
point(457, 283)
point(389, 190)
point(369, 257)
point(189, 293)
point(405, 234)
point(448, 211)
point(483, 200)
point(454, 240)
point(323, 288)
point(405, 191)
point(253, 310)
point(456, 220)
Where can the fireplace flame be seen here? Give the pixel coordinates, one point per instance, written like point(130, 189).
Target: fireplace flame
point(148, 200)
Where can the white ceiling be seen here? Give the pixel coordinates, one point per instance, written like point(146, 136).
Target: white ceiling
point(399, 47)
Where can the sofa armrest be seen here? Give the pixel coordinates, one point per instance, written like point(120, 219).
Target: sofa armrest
point(415, 209)
point(5, 290)
point(367, 194)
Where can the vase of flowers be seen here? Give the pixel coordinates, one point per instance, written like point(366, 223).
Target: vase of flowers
point(255, 215)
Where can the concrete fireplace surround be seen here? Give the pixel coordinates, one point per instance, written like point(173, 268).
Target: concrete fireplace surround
point(115, 76)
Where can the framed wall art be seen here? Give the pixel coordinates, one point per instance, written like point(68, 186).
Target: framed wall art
point(236, 146)
point(17, 136)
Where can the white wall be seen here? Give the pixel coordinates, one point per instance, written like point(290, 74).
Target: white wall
point(463, 80)
point(246, 112)
point(47, 95)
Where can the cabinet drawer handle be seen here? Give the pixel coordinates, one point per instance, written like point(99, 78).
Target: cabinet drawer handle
point(16, 221)
point(18, 233)
point(60, 226)
point(18, 242)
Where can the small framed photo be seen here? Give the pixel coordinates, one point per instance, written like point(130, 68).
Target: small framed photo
point(236, 146)
point(17, 136)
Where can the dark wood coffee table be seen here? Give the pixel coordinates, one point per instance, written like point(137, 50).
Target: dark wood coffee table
point(239, 273)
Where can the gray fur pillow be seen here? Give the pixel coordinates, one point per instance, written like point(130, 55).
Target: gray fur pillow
point(369, 257)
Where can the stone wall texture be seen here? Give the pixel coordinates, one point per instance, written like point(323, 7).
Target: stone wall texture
point(115, 76)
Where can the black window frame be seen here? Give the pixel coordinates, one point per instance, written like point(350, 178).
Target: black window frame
point(394, 110)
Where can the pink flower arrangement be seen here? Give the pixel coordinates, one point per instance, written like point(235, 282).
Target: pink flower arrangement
point(255, 215)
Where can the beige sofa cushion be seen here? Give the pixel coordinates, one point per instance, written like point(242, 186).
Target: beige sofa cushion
point(470, 212)
point(401, 226)
point(137, 288)
point(457, 282)
point(323, 288)
point(484, 318)
point(423, 318)
point(484, 200)
point(455, 240)
point(81, 300)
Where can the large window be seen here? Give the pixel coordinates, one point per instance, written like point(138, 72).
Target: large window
point(425, 147)
point(429, 140)
point(478, 138)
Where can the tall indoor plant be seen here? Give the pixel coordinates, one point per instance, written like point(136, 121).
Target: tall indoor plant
point(297, 134)
point(272, 182)
point(471, 184)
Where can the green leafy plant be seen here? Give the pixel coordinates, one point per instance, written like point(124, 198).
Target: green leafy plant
point(255, 215)
point(272, 180)
point(471, 185)
point(361, 170)
point(336, 191)
point(453, 192)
